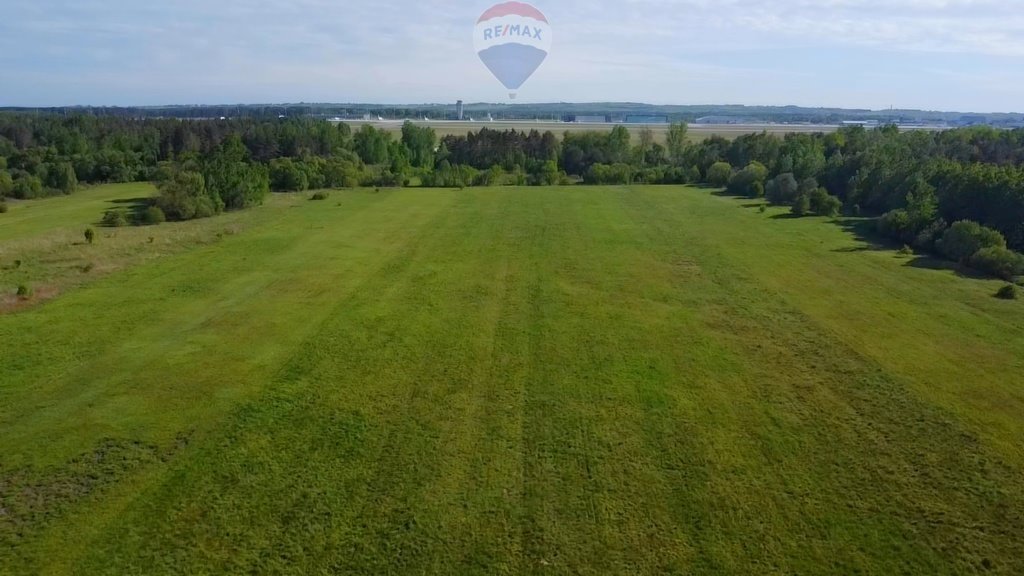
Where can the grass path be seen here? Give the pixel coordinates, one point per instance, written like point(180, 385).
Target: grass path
point(571, 381)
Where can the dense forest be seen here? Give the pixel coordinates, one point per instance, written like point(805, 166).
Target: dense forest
point(957, 193)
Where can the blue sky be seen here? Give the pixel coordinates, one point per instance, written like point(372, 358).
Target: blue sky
point(963, 55)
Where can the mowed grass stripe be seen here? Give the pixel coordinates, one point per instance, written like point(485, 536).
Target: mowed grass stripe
point(596, 499)
point(404, 409)
point(849, 453)
point(228, 367)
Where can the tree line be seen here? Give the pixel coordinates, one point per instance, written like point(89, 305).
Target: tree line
point(922, 185)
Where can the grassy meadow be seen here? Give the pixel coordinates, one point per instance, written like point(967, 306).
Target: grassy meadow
point(581, 380)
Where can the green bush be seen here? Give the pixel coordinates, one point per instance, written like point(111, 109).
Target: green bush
point(999, 262)
point(965, 238)
point(719, 174)
point(906, 251)
point(763, 208)
point(90, 235)
point(1008, 292)
point(802, 206)
point(185, 196)
point(321, 195)
point(782, 190)
point(115, 219)
point(3, 207)
point(749, 182)
point(932, 233)
point(896, 225)
point(153, 215)
point(827, 205)
point(24, 291)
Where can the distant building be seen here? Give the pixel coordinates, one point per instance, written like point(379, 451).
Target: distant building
point(591, 120)
point(646, 119)
point(723, 120)
point(460, 110)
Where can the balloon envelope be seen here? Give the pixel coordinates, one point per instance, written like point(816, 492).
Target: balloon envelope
point(512, 40)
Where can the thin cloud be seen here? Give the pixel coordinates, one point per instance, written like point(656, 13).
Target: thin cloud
point(54, 51)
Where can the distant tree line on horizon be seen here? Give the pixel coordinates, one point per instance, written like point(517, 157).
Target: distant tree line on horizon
point(956, 193)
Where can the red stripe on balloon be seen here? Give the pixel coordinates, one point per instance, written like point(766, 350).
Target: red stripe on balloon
point(512, 9)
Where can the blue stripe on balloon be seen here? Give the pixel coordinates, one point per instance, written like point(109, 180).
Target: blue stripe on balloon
point(512, 64)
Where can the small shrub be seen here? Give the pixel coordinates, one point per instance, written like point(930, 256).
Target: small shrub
point(17, 264)
point(115, 219)
point(24, 291)
point(1008, 292)
point(151, 240)
point(3, 207)
point(90, 235)
point(906, 251)
point(999, 262)
point(153, 215)
point(88, 268)
point(320, 195)
point(763, 208)
point(802, 206)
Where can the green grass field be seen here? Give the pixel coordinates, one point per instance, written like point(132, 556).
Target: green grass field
point(631, 380)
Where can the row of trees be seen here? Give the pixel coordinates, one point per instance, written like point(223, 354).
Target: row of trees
point(918, 182)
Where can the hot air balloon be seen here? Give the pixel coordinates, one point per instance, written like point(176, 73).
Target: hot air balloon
point(512, 39)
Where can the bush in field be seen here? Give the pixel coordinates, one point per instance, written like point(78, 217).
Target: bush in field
point(931, 234)
point(824, 204)
point(896, 225)
point(609, 174)
point(321, 195)
point(90, 235)
point(115, 219)
point(965, 238)
point(6, 183)
point(286, 175)
point(27, 186)
point(185, 197)
point(153, 215)
point(783, 189)
point(719, 174)
point(24, 291)
point(749, 182)
point(999, 262)
point(3, 207)
point(802, 206)
point(1008, 292)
